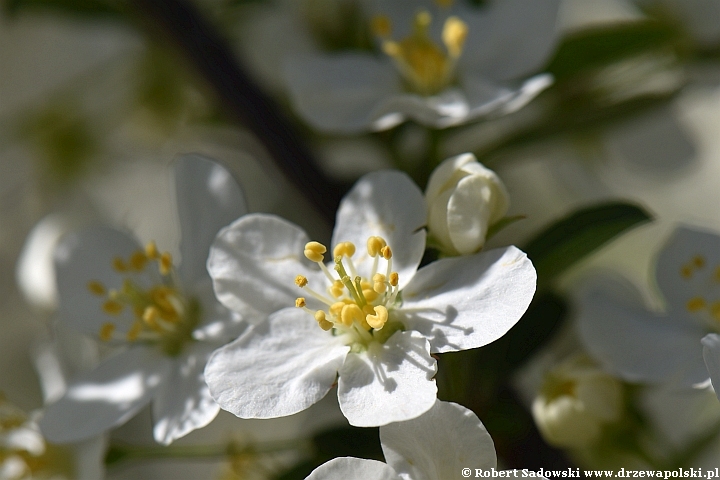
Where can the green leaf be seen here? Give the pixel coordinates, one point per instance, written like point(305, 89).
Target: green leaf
point(575, 236)
point(600, 46)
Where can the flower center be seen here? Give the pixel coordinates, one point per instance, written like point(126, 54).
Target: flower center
point(425, 66)
point(707, 309)
point(23, 451)
point(161, 313)
point(356, 306)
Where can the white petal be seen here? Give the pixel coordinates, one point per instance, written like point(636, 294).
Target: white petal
point(105, 397)
point(278, 368)
point(89, 458)
point(711, 354)
point(387, 204)
point(341, 93)
point(85, 256)
point(390, 382)
point(468, 214)
point(208, 198)
point(184, 403)
point(349, 468)
point(511, 38)
point(485, 97)
point(685, 246)
point(447, 108)
point(219, 324)
point(467, 302)
point(438, 444)
point(637, 345)
point(253, 263)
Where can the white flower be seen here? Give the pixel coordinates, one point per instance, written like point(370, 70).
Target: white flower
point(25, 455)
point(643, 346)
point(374, 320)
point(167, 318)
point(467, 63)
point(464, 198)
point(576, 400)
point(437, 445)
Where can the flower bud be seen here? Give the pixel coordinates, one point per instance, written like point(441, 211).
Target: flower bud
point(464, 199)
point(575, 401)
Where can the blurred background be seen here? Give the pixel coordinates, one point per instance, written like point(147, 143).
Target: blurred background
point(97, 97)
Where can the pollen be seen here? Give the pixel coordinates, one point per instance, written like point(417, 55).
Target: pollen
point(301, 281)
point(695, 304)
point(138, 260)
point(106, 331)
point(96, 288)
point(151, 251)
point(300, 302)
point(314, 251)
point(378, 320)
point(379, 284)
point(322, 320)
point(698, 261)
point(454, 34)
point(119, 265)
point(686, 271)
point(351, 313)
point(386, 252)
point(165, 263)
point(394, 279)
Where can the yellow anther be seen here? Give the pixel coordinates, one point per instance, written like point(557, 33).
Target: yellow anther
point(119, 265)
point(698, 261)
point(346, 249)
point(134, 331)
point(96, 288)
point(715, 311)
point(151, 251)
point(379, 284)
point(394, 278)
point(106, 331)
point(381, 26)
point(322, 321)
point(351, 313)
point(336, 308)
point(300, 302)
point(386, 252)
point(301, 281)
point(422, 21)
point(138, 260)
point(453, 35)
point(686, 271)
point(369, 294)
point(150, 316)
point(314, 251)
point(165, 263)
point(378, 320)
point(112, 307)
point(375, 245)
point(337, 289)
point(695, 304)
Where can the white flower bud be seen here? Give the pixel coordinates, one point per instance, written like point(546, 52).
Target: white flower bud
point(576, 400)
point(464, 198)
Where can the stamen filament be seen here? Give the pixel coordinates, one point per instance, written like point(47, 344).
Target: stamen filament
point(318, 296)
point(326, 271)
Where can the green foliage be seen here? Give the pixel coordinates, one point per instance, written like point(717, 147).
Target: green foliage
point(95, 8)
point(577, 235)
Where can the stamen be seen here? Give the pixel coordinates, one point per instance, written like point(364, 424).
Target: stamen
point(381, 26)
point(453, 35)
point(378, 320)
point(138, 260)
point(386, 252)
point(119, 265)
point(698, 261)
point(96, 288)
point(322, 321)
point(359, 290)
point(351, 288)
point(106, 331)
point(314, 251)
point(301, 281)
point(165, 263)
point(695, 304)
point(346, 249)
point(379, 284)
point(351, 313)
point(300, 302)
point(151, 315)
point(336, 289)
point(394, 278)
point(715, 311)
point(374, 245)
point(151, 251)
point(112, 307)
point(134, 331)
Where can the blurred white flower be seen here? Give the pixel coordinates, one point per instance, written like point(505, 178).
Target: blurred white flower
point(575, 401)
point(374, 323)
point(711, 354)
point(167, 318)
point(643, 346)
point(468, 63)
point(464, 199)
point(439, 444)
